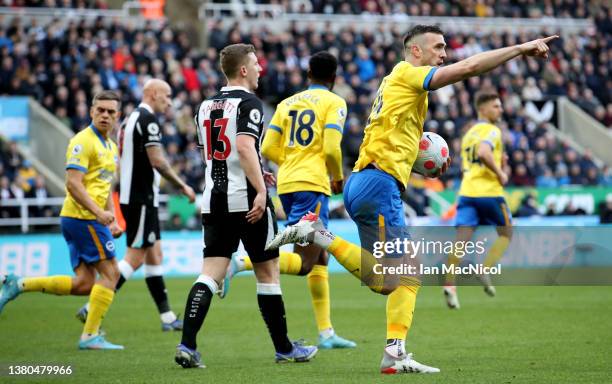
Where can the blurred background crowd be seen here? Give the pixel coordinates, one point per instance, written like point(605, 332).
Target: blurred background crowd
point(63, 65)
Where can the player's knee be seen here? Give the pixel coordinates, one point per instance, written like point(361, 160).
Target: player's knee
point(82, 285)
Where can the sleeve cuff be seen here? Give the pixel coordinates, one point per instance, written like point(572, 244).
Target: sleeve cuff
point(275, 128)
point(77, 167)
point(334, 126)
point(248, 133)
point(488, 142)
point(428, 78)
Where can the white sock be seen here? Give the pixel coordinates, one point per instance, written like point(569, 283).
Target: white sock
point(125, 269)
point(167, 317)
point(327, 333)
point(87, 306)
point(323, 238)
point(396, 348)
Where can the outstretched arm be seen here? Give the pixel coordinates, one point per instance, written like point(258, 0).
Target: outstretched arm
point(486, 61)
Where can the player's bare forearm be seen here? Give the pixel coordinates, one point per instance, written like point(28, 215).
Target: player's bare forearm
point(486, 157)
point(168, 173)
point(473, 66)
point(161, 164)
point(486, 61)
point(249, 161)
point(76, 188)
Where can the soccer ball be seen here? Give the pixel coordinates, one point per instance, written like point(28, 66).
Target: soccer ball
point(433, 153)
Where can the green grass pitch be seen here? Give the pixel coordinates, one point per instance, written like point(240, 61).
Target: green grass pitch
point(524, 335)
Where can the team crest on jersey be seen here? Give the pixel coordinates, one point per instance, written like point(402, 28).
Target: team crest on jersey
point(110, 246)
point(255, 116)
point(77, 149)
point(153, 128)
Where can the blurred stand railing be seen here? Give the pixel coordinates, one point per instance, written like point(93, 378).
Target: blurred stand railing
point(25, 221)
point(131, 11)
point(274, 18)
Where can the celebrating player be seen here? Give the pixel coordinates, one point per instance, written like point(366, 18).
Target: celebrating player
point(236, 206)
point(88, 224)
point(481, 196)
point(304, 139)
point(142, 162)
point(386, 156)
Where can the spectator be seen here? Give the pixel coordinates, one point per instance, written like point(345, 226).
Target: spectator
point(40, 193)
point(605, 210)
point(528, 207)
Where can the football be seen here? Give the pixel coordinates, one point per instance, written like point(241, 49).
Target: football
point(433, 153)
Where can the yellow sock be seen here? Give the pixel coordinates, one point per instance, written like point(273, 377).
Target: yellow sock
point(318, 282)
point(99, 301)
point(353, 258)
point(289, 263)
point(497, 250)
point(452, 261)
point(400, 307)
point(59, 285)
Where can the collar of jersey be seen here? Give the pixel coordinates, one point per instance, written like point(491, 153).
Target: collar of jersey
point(234, 88)
point(146, 106)
point(93, 128)
point(318, 86)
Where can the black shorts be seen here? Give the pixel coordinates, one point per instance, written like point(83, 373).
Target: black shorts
point(142, 225)
point(223, 232)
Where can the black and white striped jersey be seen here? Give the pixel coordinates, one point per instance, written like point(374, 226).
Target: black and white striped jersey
point(220, 119)
point(139, 181)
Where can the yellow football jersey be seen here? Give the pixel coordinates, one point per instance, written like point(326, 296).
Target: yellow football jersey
point(97, 158)
point(308, 123)
point(395, 124)
point(478, 180)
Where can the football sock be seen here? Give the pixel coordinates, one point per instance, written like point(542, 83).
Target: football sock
point(353, 258)
point(100, 299)
point(289, 263)
point(157, 287)
point(59, 285)
point(497, 250)
point(396, 347)
point(318, 283)
point(126, 272)
point(400, 308)
point(198, 302)
point(270, 300)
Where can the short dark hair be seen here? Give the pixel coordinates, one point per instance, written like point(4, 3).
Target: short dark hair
point(233, 56)
point(421, 29)
point(482, 97)
point(323, 66)
point(107, 95)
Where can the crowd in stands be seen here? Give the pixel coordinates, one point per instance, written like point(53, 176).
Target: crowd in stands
point(18, 179)
point(469, 8)
point(98, 4)
point(63, 65)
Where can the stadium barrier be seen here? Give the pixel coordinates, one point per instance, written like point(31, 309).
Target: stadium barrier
point(274, 18)
point(584, 129)
point(581, 197)
point(47, 254)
